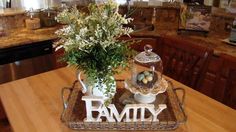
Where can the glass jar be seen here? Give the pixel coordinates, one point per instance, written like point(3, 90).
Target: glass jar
point(146, 69)
point(47, 17)
point(146, 80)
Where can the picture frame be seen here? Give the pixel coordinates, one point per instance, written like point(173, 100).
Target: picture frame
point(195, 18)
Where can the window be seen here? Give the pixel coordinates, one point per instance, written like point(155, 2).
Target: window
point(124, 1)
point(121, 1)
point(35, 4)
point(2, 4)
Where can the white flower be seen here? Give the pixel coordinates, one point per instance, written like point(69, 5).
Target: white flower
point(80, 22)
point(83, 31)
point(93, 40)
point(67, 30)
point(67, 44)
point(58, 47)
point(78, 38)
point(101, 26)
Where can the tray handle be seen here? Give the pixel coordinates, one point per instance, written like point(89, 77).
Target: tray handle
point(183, 95)
point(66, 99)
point(181, 102)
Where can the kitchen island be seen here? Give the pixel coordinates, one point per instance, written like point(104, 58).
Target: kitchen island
point(34, 104)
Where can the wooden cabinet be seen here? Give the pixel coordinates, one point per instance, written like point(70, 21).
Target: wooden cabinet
point(27, 67)
point(17, 53)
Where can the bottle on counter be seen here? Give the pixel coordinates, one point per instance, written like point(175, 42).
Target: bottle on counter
point(154, 18)
point(232, 37)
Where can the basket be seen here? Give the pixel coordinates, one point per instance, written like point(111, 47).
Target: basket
point(169, 119)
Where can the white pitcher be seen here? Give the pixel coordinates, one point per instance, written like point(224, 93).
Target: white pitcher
point(95, 89)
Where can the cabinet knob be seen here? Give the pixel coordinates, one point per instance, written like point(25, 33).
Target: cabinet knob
point(46, 49)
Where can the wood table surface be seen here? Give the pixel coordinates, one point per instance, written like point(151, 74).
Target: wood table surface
point(34, 104)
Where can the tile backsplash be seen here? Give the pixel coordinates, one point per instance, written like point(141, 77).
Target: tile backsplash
point(165, 18)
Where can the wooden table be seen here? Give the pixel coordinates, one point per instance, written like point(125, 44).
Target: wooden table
point(34, 105)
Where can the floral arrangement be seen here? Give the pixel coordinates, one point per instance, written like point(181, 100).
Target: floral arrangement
point(91, 41)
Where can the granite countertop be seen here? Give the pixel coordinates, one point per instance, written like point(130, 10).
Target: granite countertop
point(213, 40)
point(24, 36)
point(19, 37)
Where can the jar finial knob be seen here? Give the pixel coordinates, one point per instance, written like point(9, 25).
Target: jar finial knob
point(148, 49)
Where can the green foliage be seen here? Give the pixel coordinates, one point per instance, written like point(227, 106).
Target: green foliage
point(99, 62)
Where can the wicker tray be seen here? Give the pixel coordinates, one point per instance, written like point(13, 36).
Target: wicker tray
point(75, 111)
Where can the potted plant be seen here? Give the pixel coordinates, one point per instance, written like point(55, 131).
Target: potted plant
point(91, 45)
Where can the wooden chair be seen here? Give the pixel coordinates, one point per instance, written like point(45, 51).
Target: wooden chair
point(184, 60)
point(225, 83)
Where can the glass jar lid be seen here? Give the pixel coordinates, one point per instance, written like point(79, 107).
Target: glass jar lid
point(147, 56)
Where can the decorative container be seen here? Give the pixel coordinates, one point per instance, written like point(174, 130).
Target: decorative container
point(32, 23)
point(146, 76)
point(47, 17)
